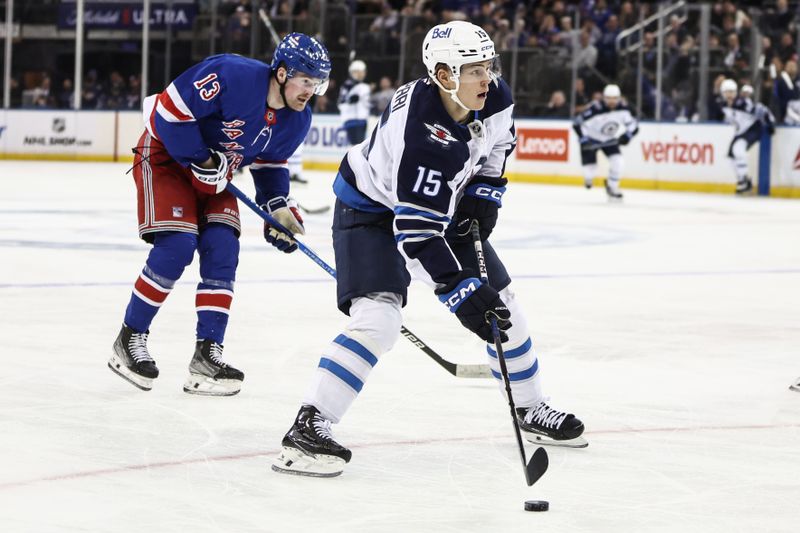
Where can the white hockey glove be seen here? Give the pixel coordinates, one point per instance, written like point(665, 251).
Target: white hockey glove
point(285, 211)
point(211, 180)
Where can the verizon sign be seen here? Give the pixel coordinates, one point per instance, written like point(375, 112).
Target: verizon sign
point(686, 153)
point(543, 144)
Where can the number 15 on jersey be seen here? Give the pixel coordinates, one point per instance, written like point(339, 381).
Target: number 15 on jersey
point(429, 180)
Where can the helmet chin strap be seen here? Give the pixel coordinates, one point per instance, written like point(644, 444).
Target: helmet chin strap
point(453, 92)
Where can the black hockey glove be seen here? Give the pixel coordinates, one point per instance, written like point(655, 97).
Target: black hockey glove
point(474, 303)
point(625, 139)
point(480, 202)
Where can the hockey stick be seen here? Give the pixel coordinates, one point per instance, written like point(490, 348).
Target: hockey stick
point(268, 23)
point(456, 369)
point(314, 210)
point(539, 461)
point(599, 145)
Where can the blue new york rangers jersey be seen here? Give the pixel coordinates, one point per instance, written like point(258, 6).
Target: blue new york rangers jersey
point(221, 103)
point(417, 163)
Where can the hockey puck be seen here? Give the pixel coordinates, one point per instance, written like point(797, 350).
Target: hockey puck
point(537, 506)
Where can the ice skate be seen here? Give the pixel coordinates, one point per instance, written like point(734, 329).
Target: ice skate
point(613, 192)
point(309, 448)
point(296, 178)
point(587, 182)
point(131, 360)
point(209, 375)
point(541, 424)
point(744, 185)
point(795, 386)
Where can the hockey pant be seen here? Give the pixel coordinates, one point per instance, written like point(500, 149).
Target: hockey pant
point(374, 328)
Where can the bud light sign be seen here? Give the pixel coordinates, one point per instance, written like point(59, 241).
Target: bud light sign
point(127, 15)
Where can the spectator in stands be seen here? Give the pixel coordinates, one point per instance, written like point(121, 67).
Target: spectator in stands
point(779, 19)
point(238, 31)
point(66, 96)
point(607, 47)
point(786, 48)
point(557, 107)
point(92, 90)
point(381, 98)
point(785, 90)
point(627, 15)
point(548, 31)
point(134, 94)
point(600, 13)
point(40, 95)
point(586, 56)
point(715, 104)
point(581, 100)
point(733, 53)
point(115, 96)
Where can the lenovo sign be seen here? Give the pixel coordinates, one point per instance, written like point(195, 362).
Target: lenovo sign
point(543, 144)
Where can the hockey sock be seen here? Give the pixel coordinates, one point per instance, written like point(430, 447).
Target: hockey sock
point(347, 362)
point(522, 364)
point(589, 172)
point(739, 159)
point(218, 248)
point(614, 168)
point(171, 253)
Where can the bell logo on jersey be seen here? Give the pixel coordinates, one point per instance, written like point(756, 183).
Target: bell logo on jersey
point(440, 134)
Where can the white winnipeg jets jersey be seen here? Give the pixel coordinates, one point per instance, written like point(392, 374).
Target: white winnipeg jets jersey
point(417, 162)
point(601, 123)
point(354, 102)
point(742, 114)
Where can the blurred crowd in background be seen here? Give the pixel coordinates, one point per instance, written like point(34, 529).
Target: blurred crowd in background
point(560, 53)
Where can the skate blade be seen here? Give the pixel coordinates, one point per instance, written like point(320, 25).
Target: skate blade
point(206, 386)
point(119, 368)
point(577, 442)
point(795, 386)
point(293, 461)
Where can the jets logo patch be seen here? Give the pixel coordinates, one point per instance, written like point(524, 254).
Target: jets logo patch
point(439, 134)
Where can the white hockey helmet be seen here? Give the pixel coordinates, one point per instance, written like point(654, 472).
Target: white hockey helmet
point(612, 91)
point(747, 89)
point(455, 44)
point(727, 86)
point(357, 66)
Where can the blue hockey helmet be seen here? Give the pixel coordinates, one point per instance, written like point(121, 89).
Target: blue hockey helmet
point(299, 52)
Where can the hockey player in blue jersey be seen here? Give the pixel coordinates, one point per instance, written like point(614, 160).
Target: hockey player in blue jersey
point(221, 114)
point(750, 121)
point(406, 199)
point(605, 125)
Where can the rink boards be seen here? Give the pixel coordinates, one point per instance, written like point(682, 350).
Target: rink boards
point(667, 156)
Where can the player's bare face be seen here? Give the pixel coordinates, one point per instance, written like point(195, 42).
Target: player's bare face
point(729, 96)
point(611, 101)
point(474, 84)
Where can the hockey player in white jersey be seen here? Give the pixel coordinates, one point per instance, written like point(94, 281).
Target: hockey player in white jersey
point(354, 102)
point(605, 125)
point(750, 121)
point(406, 199)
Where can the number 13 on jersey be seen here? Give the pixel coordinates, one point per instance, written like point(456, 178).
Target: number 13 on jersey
point(429, 180)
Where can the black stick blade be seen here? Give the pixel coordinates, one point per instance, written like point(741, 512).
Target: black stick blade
point(537, 466)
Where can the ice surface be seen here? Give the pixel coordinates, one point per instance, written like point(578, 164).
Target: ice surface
point(670, 324)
